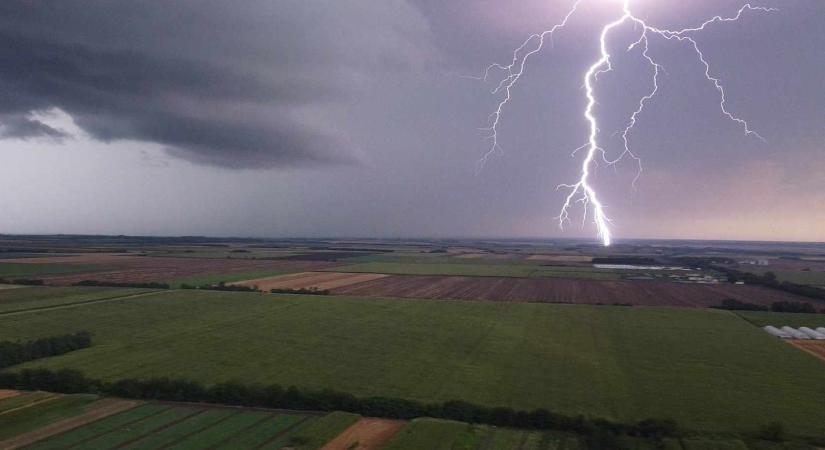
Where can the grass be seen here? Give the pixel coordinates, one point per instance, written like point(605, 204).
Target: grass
point(31, 298)
point(713, 444)
point(179, 431)
point(708, 369)
point(25, 270)
point(211, 436)
point(202, 280)
point(433, 434)
point(38, 415)
point(317, 433)
point(264, 433)
point(123, 435)
point(480, 270)
point(22, 400)
point(779, 320)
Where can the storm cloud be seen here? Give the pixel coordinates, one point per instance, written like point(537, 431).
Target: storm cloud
point(215, 82)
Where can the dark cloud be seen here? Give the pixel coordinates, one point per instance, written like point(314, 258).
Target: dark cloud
point(215, 82)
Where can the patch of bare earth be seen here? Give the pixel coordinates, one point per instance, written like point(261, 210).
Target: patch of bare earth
point(311, 280)
point(816, 348)
point(5, 393)
point(366, 434)
point(559, 290)
point(99, 410)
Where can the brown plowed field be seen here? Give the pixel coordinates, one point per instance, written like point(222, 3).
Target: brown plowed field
point(311, 280)
point(816, 348)
point(141, 269)
point(557, 290)
point(369, 434)
point(99, 410)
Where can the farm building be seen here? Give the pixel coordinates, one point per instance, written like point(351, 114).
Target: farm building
point(803, 333)
point(795, 334)
point(777, 332)
point(812, 333)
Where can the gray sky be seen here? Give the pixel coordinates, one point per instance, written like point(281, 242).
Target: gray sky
point(321, 117)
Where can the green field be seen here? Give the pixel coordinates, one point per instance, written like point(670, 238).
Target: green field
point(24, 270)
point(30, 298)
point(709, 369)
point(29, 418)
point(480, 270)
point(779, 320)
point(448, 435)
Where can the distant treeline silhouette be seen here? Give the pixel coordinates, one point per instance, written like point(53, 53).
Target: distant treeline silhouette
point(151, 285)
point(784, 306)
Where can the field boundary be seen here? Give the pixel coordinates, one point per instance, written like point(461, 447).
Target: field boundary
point(50, 398)
point(103, 409)
point(78, 304)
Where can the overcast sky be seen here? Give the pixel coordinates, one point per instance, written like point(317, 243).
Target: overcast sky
point(359, 118)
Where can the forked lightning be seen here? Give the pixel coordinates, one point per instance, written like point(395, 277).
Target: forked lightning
point(582, 191)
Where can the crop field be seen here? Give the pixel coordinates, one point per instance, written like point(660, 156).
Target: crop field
point(448, 435)
point(137, 269)
point(83, 421)
point(31, 298)
point(814, 278)
point(558, 290)
point(816, 348)
point(709, 369)
point(311, 280)
point(25, 270)
point(480, 270)
point(25, 414)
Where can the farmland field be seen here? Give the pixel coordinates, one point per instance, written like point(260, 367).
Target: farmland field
point(137, 269)
point(480, 270)
point(816, 348)
point(310, 280)
point(708, 369)
point(555, 290)
point(18, 270)
point(30, 416)
point(30, 298)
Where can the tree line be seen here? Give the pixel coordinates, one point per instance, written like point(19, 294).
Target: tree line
point(275, 396)
point(783, 306)
point(768, 279)
point(151, 285)
point(13, 353)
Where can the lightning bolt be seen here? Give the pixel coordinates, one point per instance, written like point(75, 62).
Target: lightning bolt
point(582, 191)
